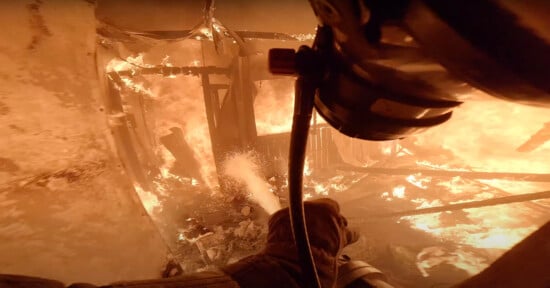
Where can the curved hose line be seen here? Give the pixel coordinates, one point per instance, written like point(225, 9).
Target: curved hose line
point(303, 107)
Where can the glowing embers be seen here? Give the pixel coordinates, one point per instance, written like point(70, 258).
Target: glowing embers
point(128, 64)
point(397, 192)
point(419, 181)
point(496, 228)
point(304, 37)
point(467, 238)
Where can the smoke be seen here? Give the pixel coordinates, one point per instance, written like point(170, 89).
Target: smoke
point(244, 169)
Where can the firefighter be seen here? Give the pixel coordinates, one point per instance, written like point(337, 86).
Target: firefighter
point(276, 266)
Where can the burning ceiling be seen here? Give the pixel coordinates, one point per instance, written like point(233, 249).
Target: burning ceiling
point(201, 130)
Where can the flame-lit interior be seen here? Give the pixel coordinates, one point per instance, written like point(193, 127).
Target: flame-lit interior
point(63, 195)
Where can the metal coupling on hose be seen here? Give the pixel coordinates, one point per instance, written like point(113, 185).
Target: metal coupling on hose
point(359, 274)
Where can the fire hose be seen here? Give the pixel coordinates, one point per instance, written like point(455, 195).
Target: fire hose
point(308, 64)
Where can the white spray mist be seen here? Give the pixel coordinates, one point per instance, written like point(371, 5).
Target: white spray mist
point(244, 169)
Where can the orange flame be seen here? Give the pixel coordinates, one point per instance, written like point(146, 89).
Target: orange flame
point(273, 107)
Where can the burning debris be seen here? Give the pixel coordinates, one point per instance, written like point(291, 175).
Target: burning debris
point(202, 134)
point(400, 176)
point(206, 142)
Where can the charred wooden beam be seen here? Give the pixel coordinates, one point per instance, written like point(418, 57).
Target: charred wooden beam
point(472, 204)
point(186, 164)
point(529, 177)
point(538, 139)
point(171, 71)
point(212, 116)
point(183, 34)
point(121, 131)
point(244, 101)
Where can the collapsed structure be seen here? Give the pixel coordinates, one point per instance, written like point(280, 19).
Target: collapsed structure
point(200, 127)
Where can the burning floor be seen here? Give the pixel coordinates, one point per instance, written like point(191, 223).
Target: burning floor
point(68, 210)
point(210, 219)
point(440, 248)
point(208, 159)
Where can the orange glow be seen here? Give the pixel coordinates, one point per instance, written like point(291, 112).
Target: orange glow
point(484, 233)
point(484, 136)
point(399, 191)
point(137, 87)
point(130, 63)
point(434, 256)
point(274, 106)
point(494, 227)
point(149, 201)
point(173, 103)
point(179, 103)
point(419, 182)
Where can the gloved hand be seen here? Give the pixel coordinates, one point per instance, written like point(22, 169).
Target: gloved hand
point(275, 267)
point(278, 264)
